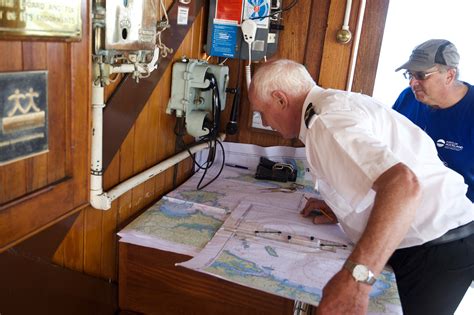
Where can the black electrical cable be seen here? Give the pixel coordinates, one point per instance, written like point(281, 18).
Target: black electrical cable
point(199, 187)
point(291, 5)
point(212, 138)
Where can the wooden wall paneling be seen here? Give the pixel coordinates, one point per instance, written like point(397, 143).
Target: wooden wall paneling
point(145, 153)
point(34, 55)
point(336, 56)
point(14, 182)
point(139, 158)
point(68, 119)
point(58, 100)
point(186, 45)
point(36, 172)
point(22, 220)
point(95, 230)
point(199, 33)
point(166, 127)
point(81, 64)
point(315, 36)
point(168, 4)
point(76, 253)
point(370, 44)
point(13, 175)
point(12, 56)
point(155, 106)
point(108, 249)
point(111, 218)
point(51, 182)
point(93, 220)
point(112, 176)
point(152, 145)
point(35, 58)
point(119, 117)
point(108, 255)
point(110, 221)
point(159, 136)
point(291, 41)
point(70, 254)
point(126, 171)
point(88, 227)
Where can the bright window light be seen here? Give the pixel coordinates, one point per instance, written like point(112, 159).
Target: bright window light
point(411, 22)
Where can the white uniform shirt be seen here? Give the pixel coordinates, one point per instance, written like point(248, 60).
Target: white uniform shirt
point(352, 139)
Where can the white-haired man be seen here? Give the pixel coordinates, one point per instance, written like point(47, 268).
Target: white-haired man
point(382, 179)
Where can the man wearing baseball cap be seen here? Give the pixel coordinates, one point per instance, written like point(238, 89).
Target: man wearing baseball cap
point(441, 105)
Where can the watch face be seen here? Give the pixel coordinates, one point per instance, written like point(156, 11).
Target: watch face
point(361, 273)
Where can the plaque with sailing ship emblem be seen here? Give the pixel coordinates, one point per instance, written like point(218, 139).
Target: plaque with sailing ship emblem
point(23, 115)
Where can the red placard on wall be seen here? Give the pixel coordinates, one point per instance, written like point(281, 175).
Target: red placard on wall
point(229, 10)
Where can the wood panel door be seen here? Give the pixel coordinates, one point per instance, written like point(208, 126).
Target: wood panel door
point(38, 191)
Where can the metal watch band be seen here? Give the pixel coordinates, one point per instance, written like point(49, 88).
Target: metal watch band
point(370, 278)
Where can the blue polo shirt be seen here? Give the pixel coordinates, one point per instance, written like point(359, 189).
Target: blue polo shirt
point(452, 130)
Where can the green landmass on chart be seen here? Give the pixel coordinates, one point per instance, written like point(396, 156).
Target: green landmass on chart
point(230, 266)
point(177, 222)
point(210, 198)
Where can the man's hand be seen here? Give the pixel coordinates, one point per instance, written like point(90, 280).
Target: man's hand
point(343, 295)
point(320, 210)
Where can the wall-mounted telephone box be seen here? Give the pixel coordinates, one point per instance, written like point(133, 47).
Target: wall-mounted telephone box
point(131, 24)
point(191, 96)
point(125, 27)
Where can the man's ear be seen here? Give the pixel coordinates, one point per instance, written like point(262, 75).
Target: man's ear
point(280, 98)
point(451, 75)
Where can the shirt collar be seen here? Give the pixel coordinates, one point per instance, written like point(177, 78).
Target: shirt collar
point(310, 98)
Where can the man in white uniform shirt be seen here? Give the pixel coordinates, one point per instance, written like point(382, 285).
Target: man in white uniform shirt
point(381, 177)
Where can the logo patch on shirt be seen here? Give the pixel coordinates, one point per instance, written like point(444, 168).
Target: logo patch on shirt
point(450, 145)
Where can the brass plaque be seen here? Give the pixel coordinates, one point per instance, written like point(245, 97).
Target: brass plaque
point(40, 18)
point(23, 115)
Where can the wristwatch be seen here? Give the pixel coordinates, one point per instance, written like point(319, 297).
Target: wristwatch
point(361, 273)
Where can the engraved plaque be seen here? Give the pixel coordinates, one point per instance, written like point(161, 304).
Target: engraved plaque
point(40, 18)
point(23, 115)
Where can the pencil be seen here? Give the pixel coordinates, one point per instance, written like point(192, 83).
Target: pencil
point(327, 215)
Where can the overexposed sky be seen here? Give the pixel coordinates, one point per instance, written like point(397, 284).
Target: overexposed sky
point(411, 22)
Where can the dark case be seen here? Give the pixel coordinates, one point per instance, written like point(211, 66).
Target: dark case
point(280, 172)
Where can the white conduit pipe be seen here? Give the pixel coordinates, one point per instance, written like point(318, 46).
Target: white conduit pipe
point(355, 47)
point(142, 177)
point(96, 145)
point(103, 200)
point(347, 15)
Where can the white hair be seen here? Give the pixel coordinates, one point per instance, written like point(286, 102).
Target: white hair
point(282, 74)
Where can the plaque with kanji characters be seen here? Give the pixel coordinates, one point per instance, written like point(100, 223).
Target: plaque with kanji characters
point(23, 115)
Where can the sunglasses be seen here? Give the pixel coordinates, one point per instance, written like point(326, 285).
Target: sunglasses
point(419, 75)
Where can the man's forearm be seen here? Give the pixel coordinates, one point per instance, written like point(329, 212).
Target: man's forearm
point(397, 198)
